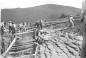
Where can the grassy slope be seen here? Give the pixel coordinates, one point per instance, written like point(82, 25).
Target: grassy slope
point(48, 11)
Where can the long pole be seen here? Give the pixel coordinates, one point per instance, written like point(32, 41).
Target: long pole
point(4, 54)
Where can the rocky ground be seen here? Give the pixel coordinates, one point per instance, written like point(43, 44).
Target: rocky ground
point(59, 44)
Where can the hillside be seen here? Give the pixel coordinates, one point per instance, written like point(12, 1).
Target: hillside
point(32, 14)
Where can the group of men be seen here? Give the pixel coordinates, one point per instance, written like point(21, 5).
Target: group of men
point(11, 27)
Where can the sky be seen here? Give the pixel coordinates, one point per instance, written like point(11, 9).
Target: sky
point(32, 3)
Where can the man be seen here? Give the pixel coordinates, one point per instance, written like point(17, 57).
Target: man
point(2, 41)
point(10, 26)
point(71, 20)
point(2, 29)
point(13, 28)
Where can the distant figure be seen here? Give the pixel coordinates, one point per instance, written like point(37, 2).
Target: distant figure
point(21, 27)
point(13, 28)
point(39, 24)
point(5, 24)
point(2, 30)
point(71, 20)
point(10, 26)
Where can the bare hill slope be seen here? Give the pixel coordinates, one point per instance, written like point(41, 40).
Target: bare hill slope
point(32, 14)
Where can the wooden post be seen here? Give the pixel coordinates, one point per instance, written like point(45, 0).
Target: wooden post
point(83, 11)
point(83, 20)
